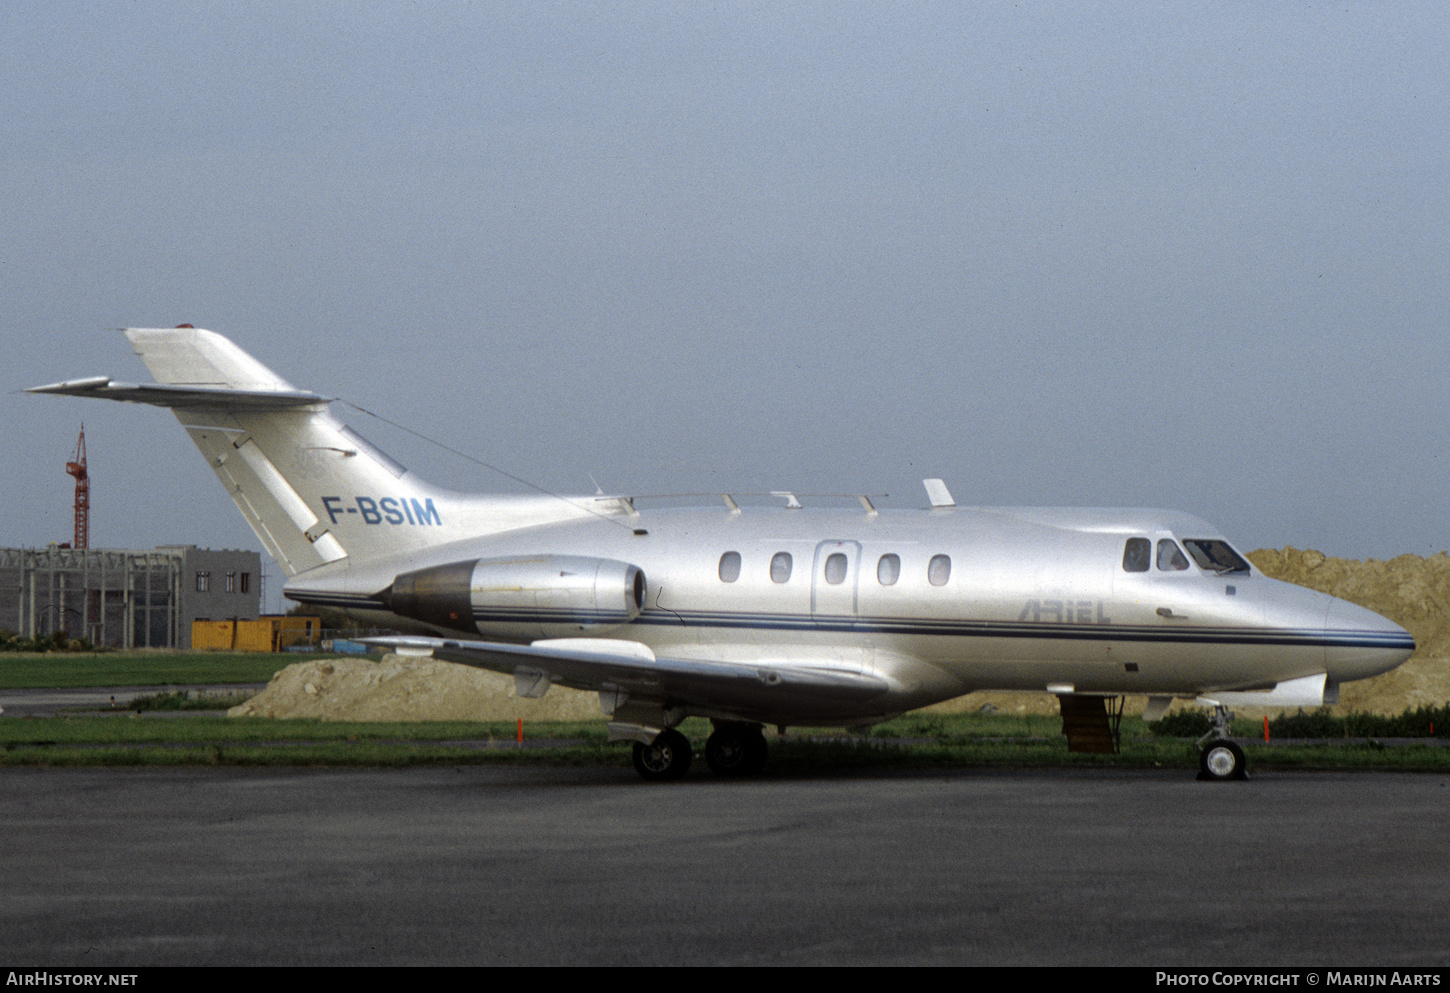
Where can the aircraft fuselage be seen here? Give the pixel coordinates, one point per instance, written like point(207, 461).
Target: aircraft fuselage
point(936, 603)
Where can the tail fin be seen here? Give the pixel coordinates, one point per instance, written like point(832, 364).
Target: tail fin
point(313, 490)
point(189, 357)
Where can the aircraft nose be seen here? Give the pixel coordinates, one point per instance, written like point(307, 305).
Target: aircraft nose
point(1360, 643)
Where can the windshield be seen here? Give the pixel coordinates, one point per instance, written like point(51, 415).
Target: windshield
point(1215, 556)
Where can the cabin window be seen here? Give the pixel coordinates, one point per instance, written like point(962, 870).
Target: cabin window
point(939, 569)
point(836, 569)
point(730, 567)
point(888, 570)
point(1170, 557)
point(780, 566)
point(1215, 556)
point(1137, 554)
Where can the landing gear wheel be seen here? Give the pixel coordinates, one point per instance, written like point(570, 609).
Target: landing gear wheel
point(666, 758)
point(1221, 761)
point(736, 750)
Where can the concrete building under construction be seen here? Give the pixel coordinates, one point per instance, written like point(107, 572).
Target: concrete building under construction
point(126, 599)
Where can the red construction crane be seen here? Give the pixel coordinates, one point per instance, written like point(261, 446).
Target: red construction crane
point(77, 468)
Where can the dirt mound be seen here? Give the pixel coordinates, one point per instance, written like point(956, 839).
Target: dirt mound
point(408, 689)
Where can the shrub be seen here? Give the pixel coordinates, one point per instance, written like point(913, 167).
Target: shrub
point(1182, 724)
point(1322, 724)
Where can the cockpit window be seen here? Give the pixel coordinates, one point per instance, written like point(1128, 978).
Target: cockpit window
point(1215, 556)
point(1137, 554)
point(1170, 558)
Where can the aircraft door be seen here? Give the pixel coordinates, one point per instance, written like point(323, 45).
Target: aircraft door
point(833, 580)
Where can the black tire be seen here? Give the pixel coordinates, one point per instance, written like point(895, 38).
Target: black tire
point(1221, 760)
point(665, 759)
point(736, 750)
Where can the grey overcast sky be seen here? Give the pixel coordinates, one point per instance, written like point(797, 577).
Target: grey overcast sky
point(1184, 255)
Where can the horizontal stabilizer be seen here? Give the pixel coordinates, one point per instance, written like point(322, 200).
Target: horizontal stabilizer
point(183, 397)
point(312, 489)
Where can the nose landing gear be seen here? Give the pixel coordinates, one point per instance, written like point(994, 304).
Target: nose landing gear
point(1220, 759)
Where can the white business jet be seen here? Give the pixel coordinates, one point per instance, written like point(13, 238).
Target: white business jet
point(785, 615)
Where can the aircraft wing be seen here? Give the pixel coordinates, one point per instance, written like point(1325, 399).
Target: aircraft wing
point(631, 668)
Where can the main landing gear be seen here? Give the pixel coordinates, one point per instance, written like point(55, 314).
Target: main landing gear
point(665, 758)
point(1220, 759)
point(734, 749)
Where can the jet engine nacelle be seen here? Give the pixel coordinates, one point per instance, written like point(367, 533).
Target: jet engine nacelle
point(538, 596)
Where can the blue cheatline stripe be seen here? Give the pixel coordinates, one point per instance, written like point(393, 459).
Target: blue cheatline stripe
point(1048, 630)
point(1337, 638)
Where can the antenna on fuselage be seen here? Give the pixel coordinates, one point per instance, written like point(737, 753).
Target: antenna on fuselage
point(477, 461)
point(937, 493)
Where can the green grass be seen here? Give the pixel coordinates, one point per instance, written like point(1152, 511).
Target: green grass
point(918, 741)
point(69, 671)
point(184, 700)
point(951, 741)
point(975, 726)
point(950, 727)
point(216, 728)
point(318, 754)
